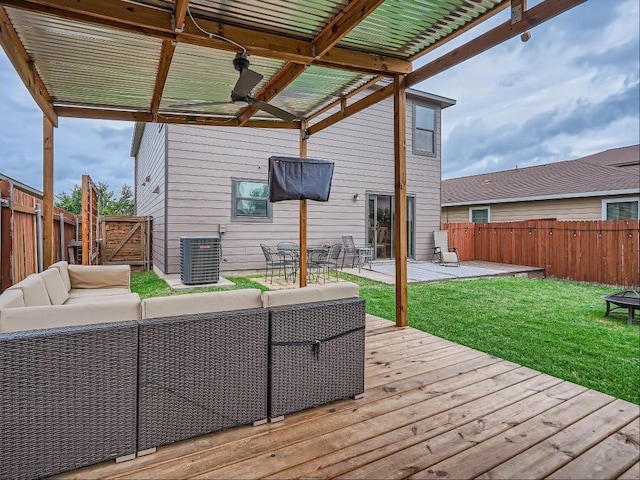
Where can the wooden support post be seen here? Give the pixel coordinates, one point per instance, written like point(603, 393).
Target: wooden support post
point(47, 190)
point(6, 235)
point(302, 271)
point(400, 179)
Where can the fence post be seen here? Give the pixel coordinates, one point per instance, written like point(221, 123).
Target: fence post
point(149, 249)
point(62, 249)
point(39, 239)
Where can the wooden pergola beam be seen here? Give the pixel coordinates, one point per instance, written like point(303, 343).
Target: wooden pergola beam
point(47, 192)
point(179, 14)
point(400, 195)
point(166, 56)
point(332, 33)
point(343, 100)
point(459, 31)
point(128, 116)
point(530, 18)
point(343, 23)
point(157, 23)
point(25, 68)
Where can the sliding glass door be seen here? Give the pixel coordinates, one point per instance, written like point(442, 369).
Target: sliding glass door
point(380, 225)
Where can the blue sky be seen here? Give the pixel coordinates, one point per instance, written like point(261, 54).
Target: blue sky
point(570, 91)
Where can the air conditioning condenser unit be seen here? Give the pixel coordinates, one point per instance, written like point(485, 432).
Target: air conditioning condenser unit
point(199, 260)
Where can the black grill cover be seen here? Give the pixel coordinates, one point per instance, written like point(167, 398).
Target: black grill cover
point(293, 178)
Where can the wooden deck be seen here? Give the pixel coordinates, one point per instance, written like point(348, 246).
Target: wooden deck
point(432, 409)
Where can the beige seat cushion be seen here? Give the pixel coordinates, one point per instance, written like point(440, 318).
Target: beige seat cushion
point(317, 293)
point(11, 299)
point(35, 318)
point(449, 257)
point(99, 276)
point(34, 291)
point(97, 292)
point(58, 293)
point(84, 300)
point(63, 268)
point(201, 303)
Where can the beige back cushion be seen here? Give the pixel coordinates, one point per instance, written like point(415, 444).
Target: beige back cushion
point(201, 303)
point(99, 276)
point(11, 299)
point(35, 318)
point(58, 293)
point(63, 268)
point(34, 292)
point(317, 293)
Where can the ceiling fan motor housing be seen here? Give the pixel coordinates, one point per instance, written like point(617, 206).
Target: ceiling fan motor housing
point(240, 63)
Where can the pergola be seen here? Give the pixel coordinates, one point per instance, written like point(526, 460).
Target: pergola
point(170, 61)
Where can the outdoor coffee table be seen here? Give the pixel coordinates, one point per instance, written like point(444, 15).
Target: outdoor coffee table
point(628, 299)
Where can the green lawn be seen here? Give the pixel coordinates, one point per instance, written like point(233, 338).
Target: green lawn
point(556, 327)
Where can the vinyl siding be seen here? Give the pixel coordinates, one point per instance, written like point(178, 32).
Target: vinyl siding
point(150, 162)
point(567, 209)
point(203, 161)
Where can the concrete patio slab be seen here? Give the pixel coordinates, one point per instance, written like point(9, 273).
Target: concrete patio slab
point(175, 283)
point(433, 272)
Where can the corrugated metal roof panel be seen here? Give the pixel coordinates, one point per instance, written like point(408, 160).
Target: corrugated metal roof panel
point(82, 64)
point(316, 88)
point(405, 27)
point(300, 17)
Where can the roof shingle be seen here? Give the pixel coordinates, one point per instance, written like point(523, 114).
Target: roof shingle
point(615, 170)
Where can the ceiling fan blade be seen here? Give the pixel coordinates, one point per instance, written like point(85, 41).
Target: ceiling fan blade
point(273, 110)
point(247, 80)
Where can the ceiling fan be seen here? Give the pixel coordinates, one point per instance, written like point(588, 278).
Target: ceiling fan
point(241, 92)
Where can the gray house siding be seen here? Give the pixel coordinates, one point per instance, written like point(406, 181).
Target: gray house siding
point(150, 163)
point(203, 161)
point(587, 208)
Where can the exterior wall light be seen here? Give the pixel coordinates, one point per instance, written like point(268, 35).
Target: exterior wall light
point(356, 197)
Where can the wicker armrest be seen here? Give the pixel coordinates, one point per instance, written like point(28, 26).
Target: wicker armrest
point(316, 355)
point(67, 397)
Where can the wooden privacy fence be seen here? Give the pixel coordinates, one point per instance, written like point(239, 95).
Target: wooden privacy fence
point(591, 251)
point(126, 241)
point(18, 240)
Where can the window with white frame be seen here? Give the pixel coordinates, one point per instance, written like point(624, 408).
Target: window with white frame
point(620, 208)
point(479, 215)
point(424, 130)
point(250, 200)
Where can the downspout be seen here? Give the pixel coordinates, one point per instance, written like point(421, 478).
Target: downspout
point(166, 198)
point(39, 237)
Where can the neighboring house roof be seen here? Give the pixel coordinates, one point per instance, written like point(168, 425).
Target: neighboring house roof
point(612, 172)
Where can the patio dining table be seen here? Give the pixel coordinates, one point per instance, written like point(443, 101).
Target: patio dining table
point(291, 252)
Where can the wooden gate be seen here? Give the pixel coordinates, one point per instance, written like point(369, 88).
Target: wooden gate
point(126, 241)
point(90, 197)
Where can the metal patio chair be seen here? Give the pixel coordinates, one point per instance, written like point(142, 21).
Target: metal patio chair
point(362, 254)
point(273, 260)
point(444, 254)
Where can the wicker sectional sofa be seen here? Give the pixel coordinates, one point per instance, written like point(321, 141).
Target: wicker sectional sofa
point(66, 295)
point(75, 395)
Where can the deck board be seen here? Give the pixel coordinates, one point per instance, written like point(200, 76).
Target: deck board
point(432, 409)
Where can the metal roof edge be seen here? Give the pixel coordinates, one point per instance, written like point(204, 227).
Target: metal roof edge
point(22, 187)
point(444, 102)
point(138, 130)
point(561, 196)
